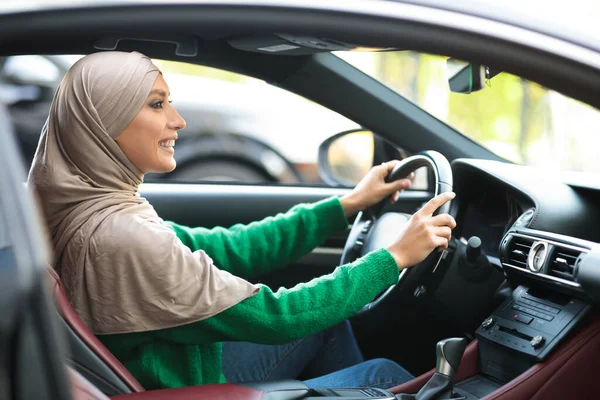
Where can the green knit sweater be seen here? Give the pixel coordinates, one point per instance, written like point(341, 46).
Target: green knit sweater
point(191, 354)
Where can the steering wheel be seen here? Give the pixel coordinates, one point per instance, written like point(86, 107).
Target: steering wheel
point(374, 229)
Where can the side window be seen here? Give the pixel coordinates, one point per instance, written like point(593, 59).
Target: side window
point(241, 129)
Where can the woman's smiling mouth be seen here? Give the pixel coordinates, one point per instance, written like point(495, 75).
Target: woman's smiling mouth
point(167, 145)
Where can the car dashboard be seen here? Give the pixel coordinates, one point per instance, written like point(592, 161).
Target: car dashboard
point(543, 235)
point(537, 228)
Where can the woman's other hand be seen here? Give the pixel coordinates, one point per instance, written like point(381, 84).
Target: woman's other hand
point(373, 188)
point(423, 233)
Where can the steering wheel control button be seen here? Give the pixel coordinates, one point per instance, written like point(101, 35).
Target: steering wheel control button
point(523, 318)
point(358, 245)
point(537, 341)
point(366, 227)
point(488, 323)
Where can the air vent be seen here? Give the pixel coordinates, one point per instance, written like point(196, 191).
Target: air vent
point(563, 263)
point(517, 251)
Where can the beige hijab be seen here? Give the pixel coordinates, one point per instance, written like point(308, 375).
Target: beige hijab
point(123, 269)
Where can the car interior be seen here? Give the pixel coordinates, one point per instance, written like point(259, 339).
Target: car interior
point(508, 311)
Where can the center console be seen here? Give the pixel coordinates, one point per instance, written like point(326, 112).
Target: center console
point(568, 372)
point(525, 329)
point(543, 340)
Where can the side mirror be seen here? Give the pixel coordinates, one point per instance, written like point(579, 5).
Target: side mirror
point(464, 77)
point(344, 159)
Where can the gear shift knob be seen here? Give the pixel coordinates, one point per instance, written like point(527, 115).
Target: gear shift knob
point(441, 386)
point(449, 352)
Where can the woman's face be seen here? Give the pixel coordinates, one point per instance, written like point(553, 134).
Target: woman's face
point(149, 138)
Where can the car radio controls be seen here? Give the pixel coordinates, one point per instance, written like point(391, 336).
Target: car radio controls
point(488, 323)
point(537, 341)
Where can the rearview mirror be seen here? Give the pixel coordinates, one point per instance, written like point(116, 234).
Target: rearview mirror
point(464, 77)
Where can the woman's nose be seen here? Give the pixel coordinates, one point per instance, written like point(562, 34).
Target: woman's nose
point(177, 122)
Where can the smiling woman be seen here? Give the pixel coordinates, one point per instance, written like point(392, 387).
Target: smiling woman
point(149, 138)
point(148, 287)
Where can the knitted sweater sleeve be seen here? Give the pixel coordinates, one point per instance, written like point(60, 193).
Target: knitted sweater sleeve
point(259, 247)
point(288, 314)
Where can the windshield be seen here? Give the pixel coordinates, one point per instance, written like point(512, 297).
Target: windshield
point(517, 119)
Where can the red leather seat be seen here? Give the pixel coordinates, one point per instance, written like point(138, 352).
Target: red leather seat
point(84, 382)
point(91, 343)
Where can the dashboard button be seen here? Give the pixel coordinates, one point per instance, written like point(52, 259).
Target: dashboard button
point(523, 318)
point(546, 317)
point(488, 323)
point(537, 342)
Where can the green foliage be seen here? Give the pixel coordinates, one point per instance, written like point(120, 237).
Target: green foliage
point(507, 116)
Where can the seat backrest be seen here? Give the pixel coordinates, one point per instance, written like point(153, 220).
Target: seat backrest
point(88, 356)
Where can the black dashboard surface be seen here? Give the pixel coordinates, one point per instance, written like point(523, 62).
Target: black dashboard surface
point(491, 195)
point(493, 199)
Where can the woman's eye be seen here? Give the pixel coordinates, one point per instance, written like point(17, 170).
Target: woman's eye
point(157, 104)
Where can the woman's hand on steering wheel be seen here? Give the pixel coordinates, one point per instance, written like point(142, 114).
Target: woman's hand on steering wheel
point(373, 188)
point(423, 233)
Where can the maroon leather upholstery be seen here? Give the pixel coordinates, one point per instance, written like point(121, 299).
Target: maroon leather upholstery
point(569, 373)
point(225, 391)
point(64, 308)
point(468, 367)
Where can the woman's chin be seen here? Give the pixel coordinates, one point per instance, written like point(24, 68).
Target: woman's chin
point(165, 167)
point(171, 167)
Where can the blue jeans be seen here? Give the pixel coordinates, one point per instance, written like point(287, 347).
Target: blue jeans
point(328, 359)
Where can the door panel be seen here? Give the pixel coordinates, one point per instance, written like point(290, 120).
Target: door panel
point(210, 205)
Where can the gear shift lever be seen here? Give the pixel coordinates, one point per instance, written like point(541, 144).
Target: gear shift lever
point(449, 352)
